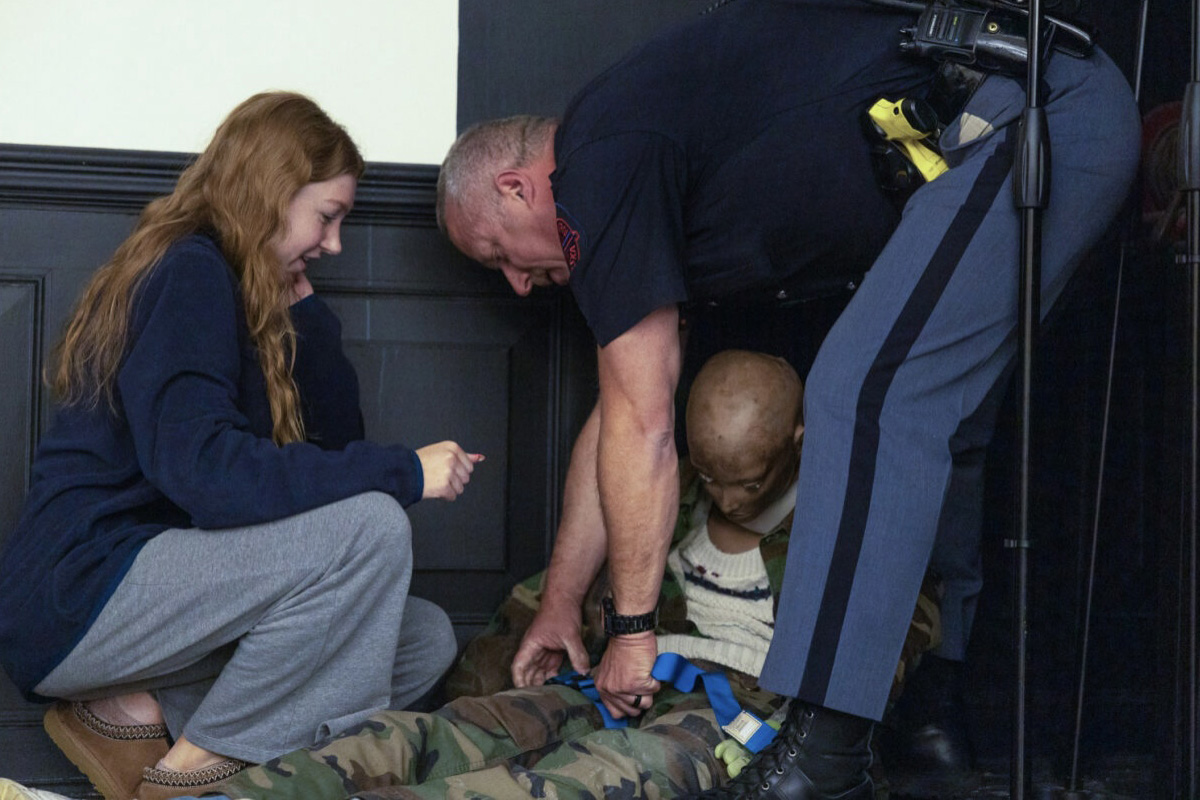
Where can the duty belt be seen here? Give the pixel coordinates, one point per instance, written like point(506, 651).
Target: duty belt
point(969, 39)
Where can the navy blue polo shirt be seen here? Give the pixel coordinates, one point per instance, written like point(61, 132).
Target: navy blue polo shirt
point(726, 156)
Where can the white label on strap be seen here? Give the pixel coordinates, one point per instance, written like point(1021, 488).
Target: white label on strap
point(743, 726)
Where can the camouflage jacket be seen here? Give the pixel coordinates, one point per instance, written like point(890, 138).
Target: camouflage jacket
point(484, 667)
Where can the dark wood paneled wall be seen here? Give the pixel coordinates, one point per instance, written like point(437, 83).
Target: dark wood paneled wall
point(443, 349)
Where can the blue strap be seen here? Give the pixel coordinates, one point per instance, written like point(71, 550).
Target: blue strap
point(747, 728)
point(674, 669)
point(585, 684)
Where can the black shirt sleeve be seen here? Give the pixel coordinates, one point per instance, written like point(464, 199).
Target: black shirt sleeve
point(620, 219)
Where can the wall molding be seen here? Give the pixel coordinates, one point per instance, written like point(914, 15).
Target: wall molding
point(126, 180)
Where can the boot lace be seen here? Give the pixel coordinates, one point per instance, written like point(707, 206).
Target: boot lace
point(771, 760)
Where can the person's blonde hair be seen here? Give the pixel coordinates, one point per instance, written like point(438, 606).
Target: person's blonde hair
point(239, 189)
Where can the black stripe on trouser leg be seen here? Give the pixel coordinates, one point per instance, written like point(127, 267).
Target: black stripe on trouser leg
point(864, 447)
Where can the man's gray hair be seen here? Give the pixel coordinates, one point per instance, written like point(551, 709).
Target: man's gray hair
point(482, 151)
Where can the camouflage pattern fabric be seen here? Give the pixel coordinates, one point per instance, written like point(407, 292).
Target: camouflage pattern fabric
point(543, 742)
point(924, 633)
point(495, 741)
point(484, 665)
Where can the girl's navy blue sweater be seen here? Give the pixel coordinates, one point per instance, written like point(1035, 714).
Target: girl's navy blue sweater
point(189, 446)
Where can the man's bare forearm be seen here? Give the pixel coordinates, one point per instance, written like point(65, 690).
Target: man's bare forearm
point(638, 468)
point(581, 544)
point(639, 490)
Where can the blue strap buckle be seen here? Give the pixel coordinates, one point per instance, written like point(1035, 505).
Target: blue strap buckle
point(585, 685)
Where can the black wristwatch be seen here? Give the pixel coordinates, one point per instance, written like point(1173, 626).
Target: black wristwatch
point(620, 624)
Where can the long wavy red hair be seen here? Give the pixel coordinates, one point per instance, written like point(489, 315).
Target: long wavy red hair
point(240, 187)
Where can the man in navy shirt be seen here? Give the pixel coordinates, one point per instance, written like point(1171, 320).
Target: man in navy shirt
point(724, 159)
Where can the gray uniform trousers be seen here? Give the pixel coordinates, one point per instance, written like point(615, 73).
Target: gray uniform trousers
point(902, 389)
point(257, 641)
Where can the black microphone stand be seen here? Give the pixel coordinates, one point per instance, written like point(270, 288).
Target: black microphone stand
point(1031, 181)
point(1189, 141)
point(1074, 790)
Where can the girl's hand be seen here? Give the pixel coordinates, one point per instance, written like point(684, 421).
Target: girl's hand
point(447, 469)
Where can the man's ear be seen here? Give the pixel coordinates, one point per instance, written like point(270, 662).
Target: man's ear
point(798, 436)
point(515, 184)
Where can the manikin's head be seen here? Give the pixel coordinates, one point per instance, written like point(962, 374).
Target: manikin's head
point(495, 203)
point(745, 425)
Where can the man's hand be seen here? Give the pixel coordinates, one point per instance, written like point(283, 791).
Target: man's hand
point(555, 630)
point(623, 677)
point(447, 469)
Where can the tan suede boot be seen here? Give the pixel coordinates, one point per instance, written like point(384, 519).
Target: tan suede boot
point(161, 784)
point(111, 756)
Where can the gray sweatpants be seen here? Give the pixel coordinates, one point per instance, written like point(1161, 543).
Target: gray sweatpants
point(260, 640)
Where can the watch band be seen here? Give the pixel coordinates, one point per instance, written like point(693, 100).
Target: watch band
point(621, 624)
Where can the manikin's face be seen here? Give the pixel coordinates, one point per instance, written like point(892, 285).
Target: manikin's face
point(743, 431)
point(314, 222)
point(517, 240)
point(744, 478)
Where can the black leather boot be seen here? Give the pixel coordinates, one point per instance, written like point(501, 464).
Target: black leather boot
point(923, 743)
point(818, 754)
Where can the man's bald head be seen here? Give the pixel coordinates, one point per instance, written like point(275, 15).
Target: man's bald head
point(745, 423)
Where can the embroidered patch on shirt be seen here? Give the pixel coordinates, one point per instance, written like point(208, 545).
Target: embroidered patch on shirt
point(569, 237)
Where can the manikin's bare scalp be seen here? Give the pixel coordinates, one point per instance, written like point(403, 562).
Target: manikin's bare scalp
point(744, 429)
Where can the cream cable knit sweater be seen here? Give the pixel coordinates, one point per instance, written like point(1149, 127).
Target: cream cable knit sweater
point(728, 598)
